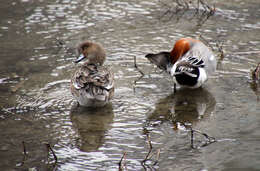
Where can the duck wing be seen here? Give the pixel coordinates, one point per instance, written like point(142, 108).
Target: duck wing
point(201, 56)
point(93, 78)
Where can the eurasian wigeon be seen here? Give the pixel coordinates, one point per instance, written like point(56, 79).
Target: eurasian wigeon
point(92, 84)
point(190, 62)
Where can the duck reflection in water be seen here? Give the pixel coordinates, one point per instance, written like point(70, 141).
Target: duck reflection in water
point(91, 126)
point(186, 107)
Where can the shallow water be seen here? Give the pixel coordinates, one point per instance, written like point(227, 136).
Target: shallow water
point(37, 107)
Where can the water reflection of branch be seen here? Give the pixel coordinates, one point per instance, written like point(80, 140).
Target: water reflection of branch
point(48, 146)
point(149, 156)
point(209, 139)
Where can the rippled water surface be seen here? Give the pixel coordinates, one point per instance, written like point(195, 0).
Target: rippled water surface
point(37, 107)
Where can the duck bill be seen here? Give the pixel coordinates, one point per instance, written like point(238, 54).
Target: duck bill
point(80, 58)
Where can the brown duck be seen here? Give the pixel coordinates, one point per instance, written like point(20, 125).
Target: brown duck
point(92, 84)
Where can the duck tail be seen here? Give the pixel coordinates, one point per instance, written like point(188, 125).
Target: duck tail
point(161, 59)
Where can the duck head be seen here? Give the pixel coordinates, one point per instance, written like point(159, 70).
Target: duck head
point(93, 52)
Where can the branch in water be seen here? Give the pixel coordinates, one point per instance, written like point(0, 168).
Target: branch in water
point(186, 5)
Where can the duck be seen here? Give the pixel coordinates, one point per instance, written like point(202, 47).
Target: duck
point(92, 84)
point(189, 63)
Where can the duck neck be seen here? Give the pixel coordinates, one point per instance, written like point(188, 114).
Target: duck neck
point(180, 48)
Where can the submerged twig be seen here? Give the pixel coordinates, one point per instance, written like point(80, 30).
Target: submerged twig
point(121, 166)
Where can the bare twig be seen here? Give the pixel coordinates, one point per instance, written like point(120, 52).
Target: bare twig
point(207, 7)
point(256, 73)
point(255, 83)
point(61, 44)
point(185, 4)
point(220, 50)
point(135, 65)
point(140, 71)
point(121, 166)
point(203, 18)
point(53, 153)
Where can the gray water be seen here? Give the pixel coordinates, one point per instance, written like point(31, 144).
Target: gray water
point(37, 106)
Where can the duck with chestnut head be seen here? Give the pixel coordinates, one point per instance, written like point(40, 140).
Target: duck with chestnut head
point(92, 84)
point(190, 62)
